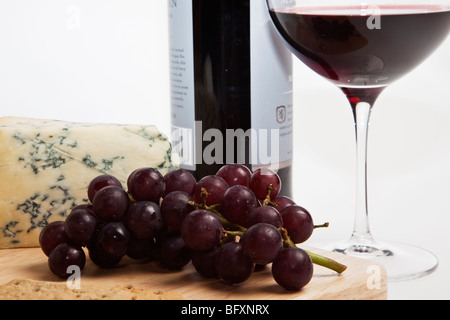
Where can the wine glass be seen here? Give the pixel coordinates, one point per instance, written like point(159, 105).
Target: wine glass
point(362, 47)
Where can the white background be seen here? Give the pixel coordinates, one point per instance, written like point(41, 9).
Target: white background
point(107, 61)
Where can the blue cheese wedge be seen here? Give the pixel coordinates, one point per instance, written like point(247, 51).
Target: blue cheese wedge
point(47, 165)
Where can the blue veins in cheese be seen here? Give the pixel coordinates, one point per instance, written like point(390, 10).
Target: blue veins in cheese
point(47, 165)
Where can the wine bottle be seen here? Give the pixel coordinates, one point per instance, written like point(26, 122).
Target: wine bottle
point(231, 87)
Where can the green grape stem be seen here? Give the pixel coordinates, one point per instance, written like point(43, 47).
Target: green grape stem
point(233, 233)
point(230, 225)
point(325, 225)
point(267, 201)
point(327, 262)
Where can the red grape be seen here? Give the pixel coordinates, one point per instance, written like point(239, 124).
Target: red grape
point(175, 207)
point(266, 214)
point(201, 230)
point(80, 226)
point(110, 204)
point(235, 174)
point(215, 187)
point(63, 256)
point(298, 222)
point(172, 252)
point(112, 239)
point(262, 242)
point(100, 182)
point(204, 262)
point(237, 203)
point(283, 202)
point(146, 184)
point(232, 264)
point(144, 220)
point(101, 258)
point(141, 248)
point(261, 179)
point(292, 269)
point(179, 180)
point(51, 236)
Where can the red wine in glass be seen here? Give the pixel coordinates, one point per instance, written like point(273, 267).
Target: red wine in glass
point(362, 49)
point(350, 49)
point(354, 50)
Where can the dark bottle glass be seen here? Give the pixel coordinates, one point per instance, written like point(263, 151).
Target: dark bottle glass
point(231, 87)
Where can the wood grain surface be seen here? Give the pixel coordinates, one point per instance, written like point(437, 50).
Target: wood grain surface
point(362, 280)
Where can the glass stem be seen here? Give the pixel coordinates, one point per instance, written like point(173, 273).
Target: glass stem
point(361, 232)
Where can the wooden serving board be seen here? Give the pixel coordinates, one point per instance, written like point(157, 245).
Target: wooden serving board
point(362, 280)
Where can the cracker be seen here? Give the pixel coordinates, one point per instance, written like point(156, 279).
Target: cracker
point(25, 289)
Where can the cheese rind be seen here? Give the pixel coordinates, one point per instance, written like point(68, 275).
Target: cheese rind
point(47, 165)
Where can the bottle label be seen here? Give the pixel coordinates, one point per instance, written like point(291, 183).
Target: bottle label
point(269, 135)
point(271, 91)
point(181, 52)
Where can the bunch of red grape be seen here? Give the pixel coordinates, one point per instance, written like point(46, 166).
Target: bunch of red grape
point(226, 224)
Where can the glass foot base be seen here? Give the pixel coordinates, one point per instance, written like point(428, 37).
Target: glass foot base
point(402, 261)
